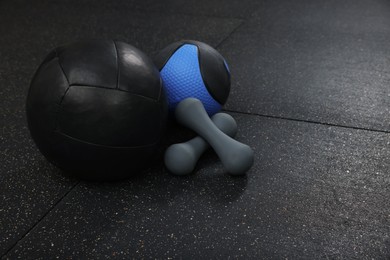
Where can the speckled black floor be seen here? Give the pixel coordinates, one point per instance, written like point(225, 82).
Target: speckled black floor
point(310, 93)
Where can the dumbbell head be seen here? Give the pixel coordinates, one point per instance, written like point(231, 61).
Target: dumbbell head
point(180, 159)
point(236, 157)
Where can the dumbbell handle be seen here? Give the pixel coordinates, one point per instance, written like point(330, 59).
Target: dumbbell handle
point(236, 157)
point(181, 159)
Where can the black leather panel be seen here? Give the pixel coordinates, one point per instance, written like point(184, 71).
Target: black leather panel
point(90, 63)
point(163, 56)
point(214, 72)
point(137, 73)
point(121, 118)
point(48, 86)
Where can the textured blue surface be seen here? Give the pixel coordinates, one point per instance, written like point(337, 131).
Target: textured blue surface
point(182, 79)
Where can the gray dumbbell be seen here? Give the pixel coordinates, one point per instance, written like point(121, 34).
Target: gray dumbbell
point(236, 157)
point(180, 159)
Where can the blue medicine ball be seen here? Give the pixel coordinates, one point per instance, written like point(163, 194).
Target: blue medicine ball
point(194, 69)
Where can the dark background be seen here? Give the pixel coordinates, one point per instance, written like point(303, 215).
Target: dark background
point(310, 93)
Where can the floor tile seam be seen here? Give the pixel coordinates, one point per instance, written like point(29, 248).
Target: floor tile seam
point(3, 256)
point(242, 22)
point(309, 121)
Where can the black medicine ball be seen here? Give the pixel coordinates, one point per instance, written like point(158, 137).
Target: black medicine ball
point(97, 109)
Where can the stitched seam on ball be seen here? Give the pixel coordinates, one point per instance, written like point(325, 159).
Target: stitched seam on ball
point(117, 65)
point(160, 91)
point(63, 96)
point(63, 71)
point(166, 61)
point(106, 146)
point(201, 74)
point(114, 89)
point(58, 109)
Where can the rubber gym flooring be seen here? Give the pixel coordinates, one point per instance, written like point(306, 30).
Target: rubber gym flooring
point(311, 96)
